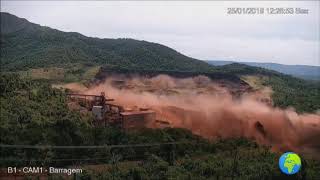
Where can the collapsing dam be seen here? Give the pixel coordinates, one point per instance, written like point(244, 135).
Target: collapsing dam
point(213, 108)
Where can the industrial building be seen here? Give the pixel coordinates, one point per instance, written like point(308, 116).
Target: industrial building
point(106, 113)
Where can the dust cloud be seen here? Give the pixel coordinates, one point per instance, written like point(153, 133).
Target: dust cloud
point(209, 109)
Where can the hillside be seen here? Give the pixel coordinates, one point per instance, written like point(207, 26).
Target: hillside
point(300, 71)
point(44, 53)
point(28, 45)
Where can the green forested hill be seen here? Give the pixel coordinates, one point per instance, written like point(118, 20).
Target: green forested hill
point(307, 72)
point(27, 45)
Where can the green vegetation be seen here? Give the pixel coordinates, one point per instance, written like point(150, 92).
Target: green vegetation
point(304, 96)
point(26, 45)
point(246, 162)
point(288, 91)
point(306, 72)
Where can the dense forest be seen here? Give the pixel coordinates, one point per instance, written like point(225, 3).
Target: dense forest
point(33, 113)
point(27, 45)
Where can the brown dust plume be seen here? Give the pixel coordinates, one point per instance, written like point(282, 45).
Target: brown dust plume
point(208, 109)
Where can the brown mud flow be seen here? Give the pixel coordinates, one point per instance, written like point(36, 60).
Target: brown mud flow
point(216, 109)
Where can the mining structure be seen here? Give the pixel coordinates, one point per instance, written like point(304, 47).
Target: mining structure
point(107, 113)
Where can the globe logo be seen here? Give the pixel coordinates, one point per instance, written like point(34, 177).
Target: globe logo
point(290, 163)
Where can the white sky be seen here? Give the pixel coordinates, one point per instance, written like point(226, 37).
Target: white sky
point(200, 29)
